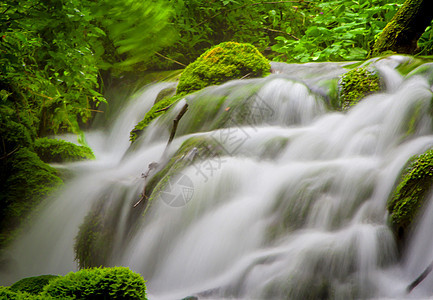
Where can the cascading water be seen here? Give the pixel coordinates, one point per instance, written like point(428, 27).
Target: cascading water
point(293, 206)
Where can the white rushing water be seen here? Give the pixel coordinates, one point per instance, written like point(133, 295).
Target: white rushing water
point(293, 208)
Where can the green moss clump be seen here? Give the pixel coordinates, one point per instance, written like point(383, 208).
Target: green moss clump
point(54, 150)
point(32, 285)
point(98, 283)
point(7, 293)
point(356, 84)
point(29, 181)
point(151, 115)
point(221, 63)
point(410, 194)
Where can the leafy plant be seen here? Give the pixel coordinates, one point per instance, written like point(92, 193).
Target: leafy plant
point(339, 30)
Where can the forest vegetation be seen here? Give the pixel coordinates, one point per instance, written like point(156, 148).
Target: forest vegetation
point(59, 59)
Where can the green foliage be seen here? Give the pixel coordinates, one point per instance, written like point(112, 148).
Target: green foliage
point(32, 285)
point(152, 114)
point(425, 43)
point(221, 63)
point(410, 194)
point(339, 30)
point(137, 28)
point(28, 181)
point(356, 84)
point(54, 150)
point(199, 24)
point(98, 283)
point(48, 67)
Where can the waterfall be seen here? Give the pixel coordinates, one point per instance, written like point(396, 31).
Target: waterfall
point(292, 207)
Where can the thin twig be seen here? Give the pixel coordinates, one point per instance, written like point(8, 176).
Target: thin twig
point(10, 153)
point(164, 109)
point(163, 56)
point(420, 278)
point(279, 31)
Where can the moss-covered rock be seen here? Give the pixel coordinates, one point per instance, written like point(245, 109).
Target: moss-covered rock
point(356, 84)
point(29, 181)
point(409, 196)
point(32, 285)
point(98, 283)
point(221, 63)
point(7, 293)
point(55, 150)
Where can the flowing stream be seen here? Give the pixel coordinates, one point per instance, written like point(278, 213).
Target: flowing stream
point(293, 207)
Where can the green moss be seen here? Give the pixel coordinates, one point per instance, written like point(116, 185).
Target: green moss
point(98, 283)
point(221, 63)
point(32, 285)
point(356, 84)
point(151, 115)
point(54, 150)
point(410, 194)
point(29, 181)
point(7, 293)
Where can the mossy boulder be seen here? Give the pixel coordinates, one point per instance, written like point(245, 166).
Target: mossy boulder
point(221, 63)
point(356, 84)
point(98, 283)
point(55, 150)
point(32, 285)
point(409, 196)
point(8, 294)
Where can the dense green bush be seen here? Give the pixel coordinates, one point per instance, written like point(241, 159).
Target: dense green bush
point(32, 285)
point(98, 283)
point(54, 150)
point(356, 84)
point(411, 192)
point(339, 30)
point(221, 63)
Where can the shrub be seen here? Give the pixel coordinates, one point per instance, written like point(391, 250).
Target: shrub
point(32, 285)
point(356, 84)
point(54, 150)
point(221, 63)
point(98, 283)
